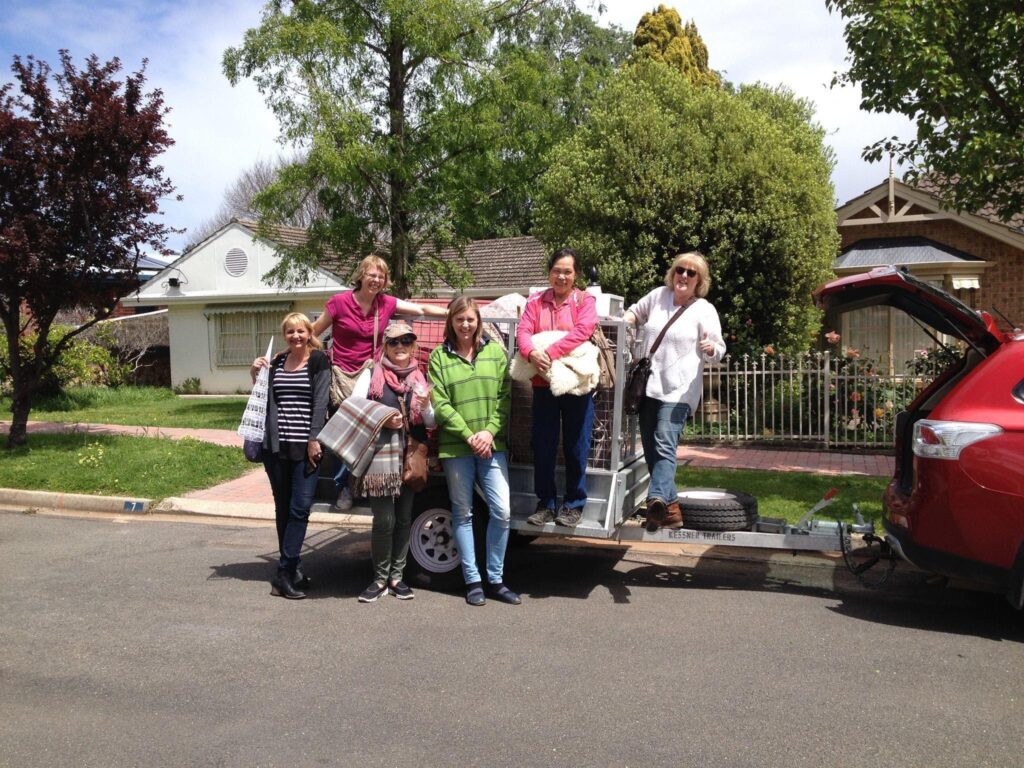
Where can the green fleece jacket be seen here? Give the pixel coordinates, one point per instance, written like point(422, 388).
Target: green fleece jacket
point(469, 397)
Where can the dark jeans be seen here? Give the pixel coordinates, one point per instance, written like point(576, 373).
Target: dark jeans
point(573, 415)
point(293, 496)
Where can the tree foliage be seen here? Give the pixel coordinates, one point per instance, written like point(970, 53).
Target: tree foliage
point(79, 191)
point(240, 196)
point(661, 36)
point(425, 122)
point(663, 166)
point(956, 68)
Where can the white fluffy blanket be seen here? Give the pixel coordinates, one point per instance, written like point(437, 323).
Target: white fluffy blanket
point(575, 373)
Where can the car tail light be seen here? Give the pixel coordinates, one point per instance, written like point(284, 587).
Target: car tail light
point(946, 439)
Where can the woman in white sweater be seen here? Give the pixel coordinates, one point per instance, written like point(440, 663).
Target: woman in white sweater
point(675, 385)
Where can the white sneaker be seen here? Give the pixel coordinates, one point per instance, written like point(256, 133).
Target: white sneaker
point(344, 500)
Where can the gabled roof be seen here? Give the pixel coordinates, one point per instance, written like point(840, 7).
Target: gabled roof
point(900, 251)
point(913, 204)
point(293, 237)
point(505, 262)
point(988, 212)
point(513, 263)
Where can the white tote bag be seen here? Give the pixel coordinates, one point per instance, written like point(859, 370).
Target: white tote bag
point(254, 419)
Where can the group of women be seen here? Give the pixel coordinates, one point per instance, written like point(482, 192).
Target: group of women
point(468, 398)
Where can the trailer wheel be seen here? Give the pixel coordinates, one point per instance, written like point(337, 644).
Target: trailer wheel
point(716, 509)
point(434, 559)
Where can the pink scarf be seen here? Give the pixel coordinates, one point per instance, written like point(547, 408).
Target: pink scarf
point(399, 380)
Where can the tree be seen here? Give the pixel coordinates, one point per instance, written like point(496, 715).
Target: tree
point(663, 166)
point(661, 36)
point(421, 118)
point(239, 199)
point(956, 68)
point(79, 189)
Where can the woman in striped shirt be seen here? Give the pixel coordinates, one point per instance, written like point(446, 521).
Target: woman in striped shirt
point(296, 412)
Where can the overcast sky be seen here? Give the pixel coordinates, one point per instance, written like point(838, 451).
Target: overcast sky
point(220, 130)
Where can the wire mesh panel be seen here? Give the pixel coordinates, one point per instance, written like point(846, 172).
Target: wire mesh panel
point(615, 437)
point(615, 440)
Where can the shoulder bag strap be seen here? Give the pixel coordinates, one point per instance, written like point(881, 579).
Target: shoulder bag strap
point(376, 320)
point(664, 329)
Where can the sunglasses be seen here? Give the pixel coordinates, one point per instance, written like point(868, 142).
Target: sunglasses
point(405, 341)
point(686, 271)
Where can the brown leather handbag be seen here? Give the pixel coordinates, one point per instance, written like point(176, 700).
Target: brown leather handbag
point(414, 460)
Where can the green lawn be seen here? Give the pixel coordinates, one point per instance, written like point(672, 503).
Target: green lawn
point(118, 466)
point(155, 468)
point(790, 494)
point(143, 406)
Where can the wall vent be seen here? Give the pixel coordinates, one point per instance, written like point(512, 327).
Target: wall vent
point(236, 262)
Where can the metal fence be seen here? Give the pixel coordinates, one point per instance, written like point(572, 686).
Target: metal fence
point(818, 399)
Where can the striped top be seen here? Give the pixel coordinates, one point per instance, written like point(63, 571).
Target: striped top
point(469, 397)
point(294, 398)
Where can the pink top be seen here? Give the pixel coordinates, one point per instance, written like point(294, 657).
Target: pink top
point(577, 315)
point(352, 331)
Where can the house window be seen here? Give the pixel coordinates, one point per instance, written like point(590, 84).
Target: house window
point(243, 336)
point(886, 335)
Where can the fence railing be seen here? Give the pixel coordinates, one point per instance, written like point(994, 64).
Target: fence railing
point(817, 398)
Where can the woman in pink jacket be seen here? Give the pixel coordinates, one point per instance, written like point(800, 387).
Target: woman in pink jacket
point(562, 307)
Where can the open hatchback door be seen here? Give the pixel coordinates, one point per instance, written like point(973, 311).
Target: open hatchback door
point(930, 305)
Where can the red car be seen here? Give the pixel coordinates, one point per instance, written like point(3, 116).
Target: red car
point(956, 503)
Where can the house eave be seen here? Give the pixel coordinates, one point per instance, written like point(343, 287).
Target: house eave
point(205, 297)
point(923, 199)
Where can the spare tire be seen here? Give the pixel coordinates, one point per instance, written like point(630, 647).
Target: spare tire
point(716, 509)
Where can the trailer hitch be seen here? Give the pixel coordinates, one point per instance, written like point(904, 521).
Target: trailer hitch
point(878, 551)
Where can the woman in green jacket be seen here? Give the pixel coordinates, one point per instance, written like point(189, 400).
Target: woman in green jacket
point(471, 396)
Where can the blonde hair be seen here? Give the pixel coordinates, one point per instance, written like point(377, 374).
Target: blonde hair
point(297, 318)
point(457, 306)
point(364, 267)
point(694, 260)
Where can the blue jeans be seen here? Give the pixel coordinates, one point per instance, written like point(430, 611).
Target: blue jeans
point(293, 496)
point(660, 425)
point(575, 415)
point(492, 475)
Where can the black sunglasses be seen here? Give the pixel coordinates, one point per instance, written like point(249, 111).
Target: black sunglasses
point(405, 341)
point(687, 271)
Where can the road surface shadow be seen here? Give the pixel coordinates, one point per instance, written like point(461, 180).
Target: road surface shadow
point(336, 561)
point(910, 598)
point(338, 564)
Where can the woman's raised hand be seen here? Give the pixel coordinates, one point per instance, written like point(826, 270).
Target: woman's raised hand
point(254, 369)
point(707, 346)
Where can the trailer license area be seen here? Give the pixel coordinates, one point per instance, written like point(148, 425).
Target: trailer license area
point(682, 533)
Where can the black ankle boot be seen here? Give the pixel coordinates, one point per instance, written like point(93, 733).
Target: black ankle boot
point(282, 586)
point(300, 580)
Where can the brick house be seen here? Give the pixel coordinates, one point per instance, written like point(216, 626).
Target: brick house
point(973, 256)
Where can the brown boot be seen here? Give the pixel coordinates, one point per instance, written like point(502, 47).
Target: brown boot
point(673, 516)
point(656, 511)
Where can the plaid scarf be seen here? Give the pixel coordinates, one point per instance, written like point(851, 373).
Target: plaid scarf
point(356, 434)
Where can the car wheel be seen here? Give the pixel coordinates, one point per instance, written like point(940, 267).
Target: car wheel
point(716, 509)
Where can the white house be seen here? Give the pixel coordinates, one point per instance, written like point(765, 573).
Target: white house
point(221, 313)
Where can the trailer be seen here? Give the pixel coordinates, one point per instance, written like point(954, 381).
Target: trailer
point(617, 480)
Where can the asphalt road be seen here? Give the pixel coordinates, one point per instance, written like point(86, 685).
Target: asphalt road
point(157, 644)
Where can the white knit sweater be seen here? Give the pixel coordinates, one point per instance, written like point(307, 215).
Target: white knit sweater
point(678, 364)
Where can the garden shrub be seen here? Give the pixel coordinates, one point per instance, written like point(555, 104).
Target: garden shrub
point(82, 363)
